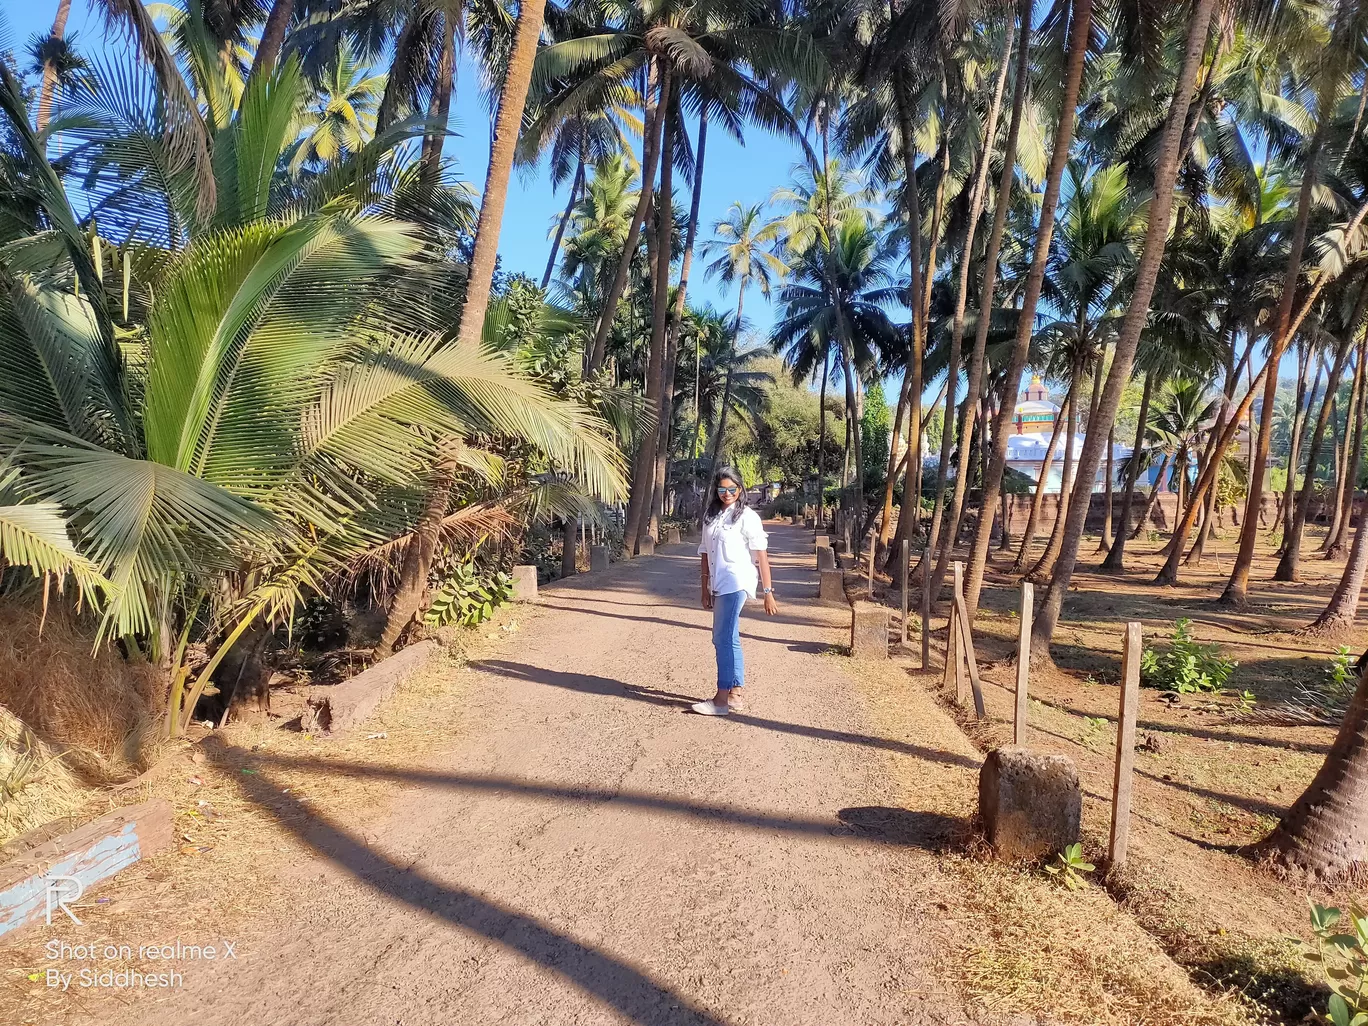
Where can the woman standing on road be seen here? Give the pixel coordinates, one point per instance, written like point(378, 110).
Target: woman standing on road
point(734, 542)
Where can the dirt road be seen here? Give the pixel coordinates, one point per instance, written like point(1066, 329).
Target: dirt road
point(594, 853)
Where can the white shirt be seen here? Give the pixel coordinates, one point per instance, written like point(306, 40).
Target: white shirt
point(729, 542)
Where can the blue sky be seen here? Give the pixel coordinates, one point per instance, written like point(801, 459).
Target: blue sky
point(747, 174)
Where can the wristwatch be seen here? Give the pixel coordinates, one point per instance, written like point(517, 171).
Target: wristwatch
point(766, 591)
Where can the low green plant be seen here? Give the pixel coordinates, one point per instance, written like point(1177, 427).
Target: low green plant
point(468, 596)
point(1069, 867)
point(1342, 939)
point(1185, 666)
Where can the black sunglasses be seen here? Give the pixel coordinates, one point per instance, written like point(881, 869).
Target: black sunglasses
point(727, 490)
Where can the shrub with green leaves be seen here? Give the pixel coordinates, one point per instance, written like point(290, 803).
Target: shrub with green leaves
point(1069, 867)
point(468, 596)
point(1185, 666)
point(1343, 957)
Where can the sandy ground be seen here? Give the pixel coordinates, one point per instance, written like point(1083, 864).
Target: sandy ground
point(594, 853)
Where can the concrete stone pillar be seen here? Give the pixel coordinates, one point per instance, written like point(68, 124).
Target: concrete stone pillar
point(645, 545)
point(672, 537)
point(598, 558)
point(868, 630)
point(831, 587)
point(1030, 804)
point(525, 583)
point(826, 559)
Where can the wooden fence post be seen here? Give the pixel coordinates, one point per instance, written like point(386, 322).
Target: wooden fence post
point(967, 641)
point(926, 611)
point(1125, 745)
point(904, 554)
point(873, 543)
point(1023, 662)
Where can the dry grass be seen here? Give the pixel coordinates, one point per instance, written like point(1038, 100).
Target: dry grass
point(72, 717)
point(244, 815)
point(1209, 779)
point(1018, 943)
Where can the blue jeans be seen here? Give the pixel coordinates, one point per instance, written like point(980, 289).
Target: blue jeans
point(731, 668)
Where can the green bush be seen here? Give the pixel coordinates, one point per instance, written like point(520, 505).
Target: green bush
point(1343, 958)
point(1186, 666)
point(468, 596)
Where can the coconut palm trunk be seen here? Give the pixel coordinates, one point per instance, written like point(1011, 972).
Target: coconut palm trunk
point(407, 600)
point(1042, 479)
point(974, 377)
point(440, 109)
point(657, 402)
point(1342, 609)
point(894, 463)
point(1070, 481)
point(1137, 314)
point(1104, 544)
point(1116, 555)
point(1168, 573)
point(575, 185)
point(1287, 564)
point(48, 91)
point(650, 152)
point(917, 344)
point(676, 319)
point(1237, 588)
point(1325, 833)
point(1080, 32)
point(1152, 500)
point(512, 99)
point(1287, 501)
point(1352, 459)
point(1334, 535)
point(727, 387)
point(821, 445)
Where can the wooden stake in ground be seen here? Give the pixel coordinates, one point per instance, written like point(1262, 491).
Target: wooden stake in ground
point(1125, 745)
point(904, 553)
point(967, 642)
point(1023, 663)
point(872, 542)
point(926, 610)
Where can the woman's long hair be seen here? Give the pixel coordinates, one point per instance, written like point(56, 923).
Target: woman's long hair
point(715, 506)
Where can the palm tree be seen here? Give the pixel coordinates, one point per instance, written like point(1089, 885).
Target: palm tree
point(272, 37)
point(734, 48)
point(1137, 313)
point(341, 117)
point(284, 401)
point(53, 50)
point(742, 253)
point(1287, 562)
point(1328, 71)
point(974, 377)
point(1085, 280)
point(1080, 30)
point(839, 291)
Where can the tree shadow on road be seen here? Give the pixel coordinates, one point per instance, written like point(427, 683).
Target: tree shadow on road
point(614, 982)
point(934, 831)
point(592, 684)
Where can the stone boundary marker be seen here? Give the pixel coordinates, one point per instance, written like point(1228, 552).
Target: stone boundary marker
point(831, 587)
point(868, 630)
point(1030, 804)
point(87, 855)
point(646, 545)
point(598, 558)
point(336, 707)
point(525, 583)
point(673, 537)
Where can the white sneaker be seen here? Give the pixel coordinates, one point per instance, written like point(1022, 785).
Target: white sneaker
point(710, 708)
